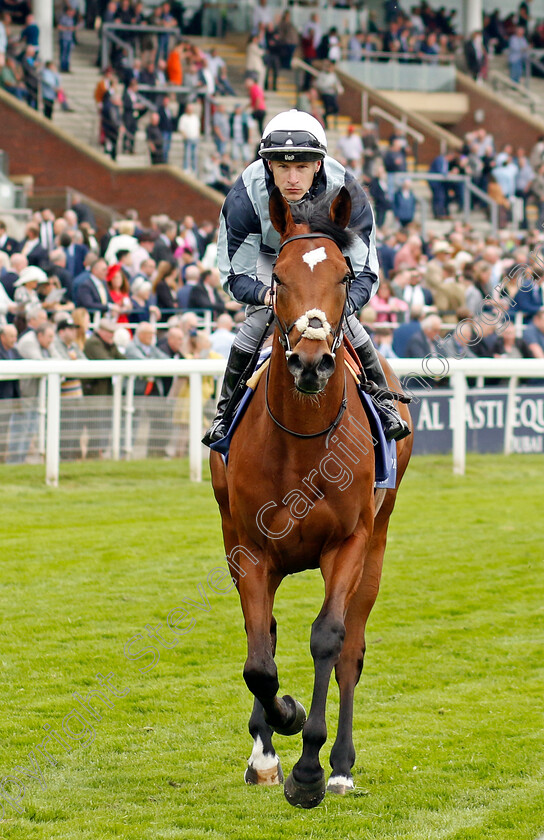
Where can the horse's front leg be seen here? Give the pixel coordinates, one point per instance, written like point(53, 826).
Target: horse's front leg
point(263, 766)
point(305, 785)
point(270, 712)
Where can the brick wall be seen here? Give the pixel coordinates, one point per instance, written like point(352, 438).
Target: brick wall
point(54, 159)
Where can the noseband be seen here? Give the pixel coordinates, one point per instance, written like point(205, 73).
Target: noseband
point(307, 328)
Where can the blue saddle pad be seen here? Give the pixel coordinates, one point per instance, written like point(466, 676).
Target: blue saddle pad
point(385, 452)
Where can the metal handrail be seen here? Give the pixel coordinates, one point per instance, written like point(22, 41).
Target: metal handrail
point(375, 109)
point(107, 33)
point(509, 84)
point(407, 57)
point(470, 188)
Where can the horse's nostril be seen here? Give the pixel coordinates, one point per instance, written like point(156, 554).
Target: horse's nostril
point(326, 365)
point(294, 363)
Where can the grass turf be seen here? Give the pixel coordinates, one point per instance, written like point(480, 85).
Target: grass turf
point(448, 726)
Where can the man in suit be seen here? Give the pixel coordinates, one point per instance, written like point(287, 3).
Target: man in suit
point(205, 295)
point(32, 248)
point(75, 254)
point(93, 293)
point(440, 166)
point(8, 243)
point(9, 388)
point(165, 245)
point(424, 342)
point(57, 266)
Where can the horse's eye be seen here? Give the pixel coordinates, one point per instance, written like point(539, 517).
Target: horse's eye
point(276, 280)
point(346, 280)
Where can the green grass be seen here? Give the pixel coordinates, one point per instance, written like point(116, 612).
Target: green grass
point(448, 725)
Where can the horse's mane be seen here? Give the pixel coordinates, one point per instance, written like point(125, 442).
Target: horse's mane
point(315, 214)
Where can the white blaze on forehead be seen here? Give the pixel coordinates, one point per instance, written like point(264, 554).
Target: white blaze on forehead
point(314, 257)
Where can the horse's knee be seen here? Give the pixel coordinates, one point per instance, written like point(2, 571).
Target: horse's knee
point(261, 676)
point(327, 638)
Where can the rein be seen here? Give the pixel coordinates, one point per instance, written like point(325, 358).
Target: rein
point(284, 341)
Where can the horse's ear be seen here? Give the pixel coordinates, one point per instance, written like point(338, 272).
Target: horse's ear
point(340, 211)
point(280, 212)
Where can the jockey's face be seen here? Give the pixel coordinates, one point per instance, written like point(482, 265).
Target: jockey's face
point(294, 179)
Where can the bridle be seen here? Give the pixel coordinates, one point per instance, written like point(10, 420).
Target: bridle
point(337, 337)
point(285, 329)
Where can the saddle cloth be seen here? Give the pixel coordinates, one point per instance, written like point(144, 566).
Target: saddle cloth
point(385, 452)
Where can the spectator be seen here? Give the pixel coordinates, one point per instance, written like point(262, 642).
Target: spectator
point(518, 50)
point(155, 140)
point(424, 342)
point(189, 128)
point(476, 56)
point(30, 33)
point(329, 87)
point(191, 279)
point(141, 309)
point(288, 39)
point(50, 88)
point(508, 346)
point(9, 388)
point(32, 345)
point(111, 122)
point(133, 110)
point(404, 203)
point(239, 135)
point(171, 345)
point(379, 190)
point(255, 66)
point(257, 103)
point(167, 126)
point(143, 346)
point(205, 295)
point(100, 347)
point(404, 332)
point(394, 161)
point(350, 148)
point(388, 308)
point(92, 293)
point(119, 291)
point(31, 76)
point(7, 243)
point(66, 28)
point(82, 320)
point(222, 337)
point(165, 287)
point(221, 128)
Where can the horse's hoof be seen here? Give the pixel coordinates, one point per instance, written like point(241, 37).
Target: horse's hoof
point(340, 785)
point(299, 717)
point(272, 776)
point(304, 796)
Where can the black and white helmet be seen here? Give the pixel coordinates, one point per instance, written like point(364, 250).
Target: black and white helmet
point(293, 135)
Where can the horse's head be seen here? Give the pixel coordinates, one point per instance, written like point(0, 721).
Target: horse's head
point(311, 279)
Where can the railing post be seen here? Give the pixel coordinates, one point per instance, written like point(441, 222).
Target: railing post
point(104, 56)
point(42, 414)
point(129, 415)
point(52, 458)
point(195, 426)
point(116, 419)
point(459, 383)
point(510, 415)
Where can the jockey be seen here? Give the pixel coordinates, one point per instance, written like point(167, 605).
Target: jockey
point(293, 157)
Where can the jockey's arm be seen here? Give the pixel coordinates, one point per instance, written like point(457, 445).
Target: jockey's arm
point(238, 247)
point(362, 253)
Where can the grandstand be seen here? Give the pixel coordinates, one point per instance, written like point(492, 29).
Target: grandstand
point(433, 123)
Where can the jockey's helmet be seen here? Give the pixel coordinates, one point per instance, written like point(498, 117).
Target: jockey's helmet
point(293, 136)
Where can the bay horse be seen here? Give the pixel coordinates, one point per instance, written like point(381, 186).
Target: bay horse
point(298, 493)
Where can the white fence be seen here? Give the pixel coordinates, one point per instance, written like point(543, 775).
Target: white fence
point(124, 372)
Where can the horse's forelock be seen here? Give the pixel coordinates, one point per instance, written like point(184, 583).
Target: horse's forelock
point(315, 214)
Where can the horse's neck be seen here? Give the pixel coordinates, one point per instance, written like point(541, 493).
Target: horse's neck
point(298, 412)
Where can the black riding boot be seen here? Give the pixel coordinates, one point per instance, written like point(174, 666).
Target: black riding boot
point(394, 427)
point(231, 394)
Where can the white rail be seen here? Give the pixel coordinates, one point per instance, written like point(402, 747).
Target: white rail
point(52, 370)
